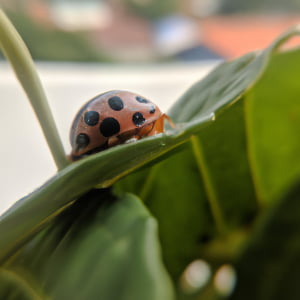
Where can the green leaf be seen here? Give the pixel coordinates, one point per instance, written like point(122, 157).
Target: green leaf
point(194, 194)
point(270, 265)
point(101, 247)
point(29, 214)
point(15, 286)
point(208, 189)
point(210, 180)
point(273, 122)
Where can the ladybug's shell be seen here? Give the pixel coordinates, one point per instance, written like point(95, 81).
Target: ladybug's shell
point(110, 115)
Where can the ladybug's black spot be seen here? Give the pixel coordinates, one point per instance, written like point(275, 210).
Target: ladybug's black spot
point(109, 127)
point(115, 103)
point(91, 118)
point(152, 110)
point(82, 141)
point(138, 119)
point(141, 99)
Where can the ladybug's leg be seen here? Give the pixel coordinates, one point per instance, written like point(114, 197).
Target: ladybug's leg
point(122, 138)
point(113, 141)
point(157, 126)
point(146, 130)
point(138, 133)
point(166, 117)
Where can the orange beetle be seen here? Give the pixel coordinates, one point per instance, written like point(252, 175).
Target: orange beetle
point(113, 118)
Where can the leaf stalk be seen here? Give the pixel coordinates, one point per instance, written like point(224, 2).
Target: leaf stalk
point(18, 55)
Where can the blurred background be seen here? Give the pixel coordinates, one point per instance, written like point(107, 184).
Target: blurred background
point(148, 30)
point(83, 48)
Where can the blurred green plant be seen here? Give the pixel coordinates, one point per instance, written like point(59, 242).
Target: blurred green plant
point(223, 187)
point(153, 9)
point(259, 6)
point(46, 43)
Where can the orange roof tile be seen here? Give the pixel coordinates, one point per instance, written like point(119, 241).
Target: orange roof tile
point(233, 36)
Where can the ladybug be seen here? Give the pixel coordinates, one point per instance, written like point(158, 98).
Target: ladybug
point(113, 118)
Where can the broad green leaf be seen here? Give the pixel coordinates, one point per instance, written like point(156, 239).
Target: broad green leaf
point(213, 192)
point(29, 214)
point(194, 194)
point(179, 202)
point(269, 268)
point(270, 262)
point(101, 247)
point(213, 170)
point(273, 122)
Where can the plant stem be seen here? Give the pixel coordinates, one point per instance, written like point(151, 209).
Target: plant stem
point(18, 55)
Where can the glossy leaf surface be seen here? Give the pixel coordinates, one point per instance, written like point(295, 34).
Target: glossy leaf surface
point(210, 188)
point(273, 121)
